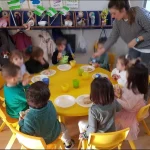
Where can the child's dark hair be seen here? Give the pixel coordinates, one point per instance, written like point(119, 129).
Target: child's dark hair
point(102, 91)
point(102, 40)
point(36, 52)
point(10, 70)
point(38, 95)
point(61, 41)
point(124, 60)
point(138, 78)
point(15, 53)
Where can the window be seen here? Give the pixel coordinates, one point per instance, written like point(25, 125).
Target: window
point(148, 5)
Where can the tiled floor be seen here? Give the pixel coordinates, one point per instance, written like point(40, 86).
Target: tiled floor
point(143, 141)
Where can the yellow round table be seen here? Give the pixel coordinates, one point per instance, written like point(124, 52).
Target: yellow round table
point(62, 77)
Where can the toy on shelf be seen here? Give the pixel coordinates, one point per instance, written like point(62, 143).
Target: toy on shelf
point(30, 21)
point(81, 21)
point(4, 21)
point(18, 18)
point(92, 16)
point(104, 15)
point(68, 22)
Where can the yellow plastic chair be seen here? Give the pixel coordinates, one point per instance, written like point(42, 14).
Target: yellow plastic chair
point(32, 142)
point(2, 82)
point(7, 121)
point(144, 111)
point(112, 58)
point(110, 140)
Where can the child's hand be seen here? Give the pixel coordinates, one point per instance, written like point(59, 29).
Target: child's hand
point(117, 91)
point(25, 81)
point(96, 65)
point(59, 56)
point(42, 61)
point(115, 77)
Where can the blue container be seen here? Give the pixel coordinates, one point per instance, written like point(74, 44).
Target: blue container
point(97, 76)
point(46, 80)
point(93, 61)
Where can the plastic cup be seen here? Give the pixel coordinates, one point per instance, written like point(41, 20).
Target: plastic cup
point(72, 63)
point(46, 80)
point(76, 83)
point(85, 75)
point(80, 71)
point(65, 87)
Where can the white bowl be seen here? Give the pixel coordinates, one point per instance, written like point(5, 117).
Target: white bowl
point(42, 23)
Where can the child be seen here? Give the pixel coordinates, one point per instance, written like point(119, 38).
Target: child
point(14, 92)
point(61, 56)
point(41, 119)
point(36, 63)
point(102, 113)
point(16, 57)
point(132, 99)
point(119, 73)
point(101, 61)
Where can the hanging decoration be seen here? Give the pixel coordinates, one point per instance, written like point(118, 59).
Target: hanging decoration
point(39, 10)
point(14, 5)
point(35, 2)
point(56, 3)
point(51, 12)
point(72, 3)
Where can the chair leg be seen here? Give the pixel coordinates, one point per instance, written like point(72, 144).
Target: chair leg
point(80, 144)
point(132, 145)
point(11, 141)
point(61, 119)
point(2, 126)
point(146, 127)
point(84, 144)
point(119, 146)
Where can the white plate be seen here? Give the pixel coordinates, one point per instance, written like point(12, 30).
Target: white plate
point(38, 78)
point(65, 101)
point(64, 67)
point(101, 74)
point(80, 102)
point(88, 68)
point(48, 72)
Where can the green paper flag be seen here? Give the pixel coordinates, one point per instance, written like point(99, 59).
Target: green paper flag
point(64, 10)
point(1, 9)
point(14, 4)
point(51, 12)
point(39, 10)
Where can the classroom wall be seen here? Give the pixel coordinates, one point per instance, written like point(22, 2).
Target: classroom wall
point(90, 35)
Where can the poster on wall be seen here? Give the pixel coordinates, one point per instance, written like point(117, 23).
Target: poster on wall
point(56, 3)
point(72, 3)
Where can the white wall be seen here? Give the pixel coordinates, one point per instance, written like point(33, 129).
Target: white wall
point(91, 36)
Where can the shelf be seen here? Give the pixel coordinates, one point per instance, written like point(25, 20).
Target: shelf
point(59, 22)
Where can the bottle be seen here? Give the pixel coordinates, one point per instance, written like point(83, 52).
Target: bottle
point(92, 19)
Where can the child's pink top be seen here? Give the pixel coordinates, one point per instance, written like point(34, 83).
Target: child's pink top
point(131, 104)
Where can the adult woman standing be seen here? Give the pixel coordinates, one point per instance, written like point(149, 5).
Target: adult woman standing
point(132, 24)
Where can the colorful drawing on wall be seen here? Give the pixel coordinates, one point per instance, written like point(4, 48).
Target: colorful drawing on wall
point(72, 3)
point(56, 3)
point(35, 2)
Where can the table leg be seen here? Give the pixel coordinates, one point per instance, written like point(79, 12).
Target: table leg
point(61, 119)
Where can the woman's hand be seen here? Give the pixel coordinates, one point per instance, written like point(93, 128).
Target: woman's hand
point(99, 52)
point(132, 43)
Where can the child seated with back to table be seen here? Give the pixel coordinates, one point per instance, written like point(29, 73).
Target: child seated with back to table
point(119, 73)
point(61, 56)
point(101, 116)
point(41, 119)
point(103, 60)
point(132, 99)
point(36, 63)
point(14, 90)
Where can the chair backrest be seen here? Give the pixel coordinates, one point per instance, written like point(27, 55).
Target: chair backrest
point(143, 112)
point(112, 58)
point(2, 82)
point(107, 140)
point(27, 141)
